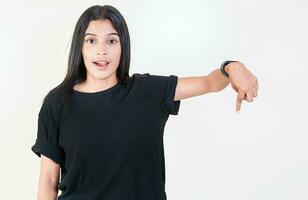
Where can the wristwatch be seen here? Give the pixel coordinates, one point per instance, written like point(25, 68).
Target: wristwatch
point(223, 65)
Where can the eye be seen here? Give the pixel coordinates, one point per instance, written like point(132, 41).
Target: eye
point(114, 41)
point(89, 40)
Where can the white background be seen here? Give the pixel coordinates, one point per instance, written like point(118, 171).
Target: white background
point(211, 151)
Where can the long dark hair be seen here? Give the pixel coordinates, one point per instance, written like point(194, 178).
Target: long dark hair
point(76, 71)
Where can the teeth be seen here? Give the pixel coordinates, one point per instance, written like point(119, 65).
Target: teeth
point(102, 62)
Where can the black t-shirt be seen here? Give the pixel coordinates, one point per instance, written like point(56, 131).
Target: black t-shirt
point(110, 143)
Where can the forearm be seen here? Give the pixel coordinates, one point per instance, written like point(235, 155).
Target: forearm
point(218, 80)
point(214, 82)
point(47, 190)
point(199, 85)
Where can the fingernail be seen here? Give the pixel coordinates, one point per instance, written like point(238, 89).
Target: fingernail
point(237, 111)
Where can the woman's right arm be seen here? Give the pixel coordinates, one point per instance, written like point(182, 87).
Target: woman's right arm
point(48, 179)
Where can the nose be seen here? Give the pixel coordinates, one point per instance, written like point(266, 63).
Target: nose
point(99, 52)
point(102, 50)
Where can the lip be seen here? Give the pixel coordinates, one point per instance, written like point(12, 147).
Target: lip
point(99, 66)
point(101, 60)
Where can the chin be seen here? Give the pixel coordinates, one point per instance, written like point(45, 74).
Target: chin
point(102, 75)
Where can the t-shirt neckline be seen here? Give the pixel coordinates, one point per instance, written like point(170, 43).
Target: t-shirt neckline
point(98, 93)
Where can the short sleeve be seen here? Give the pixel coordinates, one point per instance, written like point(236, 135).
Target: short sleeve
point(163, 89)
point(48, 133)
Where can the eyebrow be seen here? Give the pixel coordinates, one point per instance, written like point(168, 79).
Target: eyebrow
point(106, 34)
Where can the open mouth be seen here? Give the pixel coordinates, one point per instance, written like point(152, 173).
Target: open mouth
point(102, 64)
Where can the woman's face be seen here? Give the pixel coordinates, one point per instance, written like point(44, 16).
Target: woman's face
point(101, 43)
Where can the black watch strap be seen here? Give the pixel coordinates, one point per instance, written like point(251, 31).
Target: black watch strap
point(223, 65)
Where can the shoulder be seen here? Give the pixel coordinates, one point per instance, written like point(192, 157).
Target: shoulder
point(156, 80)
point(150, 77)
point(159, 88)
point(157, 84)
point(53, 101)
point(55, 95)
point(140, 75)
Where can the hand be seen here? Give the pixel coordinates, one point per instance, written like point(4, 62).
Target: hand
point(243, 82)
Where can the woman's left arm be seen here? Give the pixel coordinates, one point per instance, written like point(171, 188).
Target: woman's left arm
point(241, 79)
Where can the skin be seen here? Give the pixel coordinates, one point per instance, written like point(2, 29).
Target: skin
point(104, 46)
point(97, 47)
point(48, 179)
point(241, 79)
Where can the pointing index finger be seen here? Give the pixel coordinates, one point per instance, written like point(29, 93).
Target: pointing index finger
point(240, 97)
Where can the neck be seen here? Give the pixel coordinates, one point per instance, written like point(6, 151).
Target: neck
point(95, 85)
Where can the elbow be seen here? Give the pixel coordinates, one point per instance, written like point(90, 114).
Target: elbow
point(47, 190)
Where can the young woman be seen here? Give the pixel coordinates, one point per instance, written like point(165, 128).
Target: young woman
point(103, 129)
